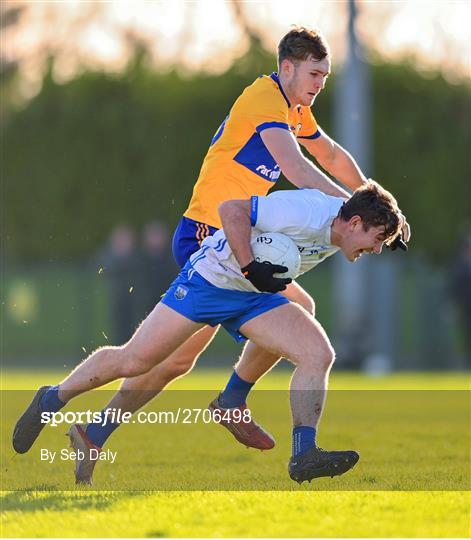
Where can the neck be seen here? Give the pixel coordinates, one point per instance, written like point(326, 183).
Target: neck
point(287, 90)
point(336, 233)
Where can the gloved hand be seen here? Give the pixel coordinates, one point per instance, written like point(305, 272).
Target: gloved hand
point(398, 243)
point(405, 231)
point(403, 237)
point(261, 276)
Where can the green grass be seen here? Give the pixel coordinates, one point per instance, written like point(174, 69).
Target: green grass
point(413, 438)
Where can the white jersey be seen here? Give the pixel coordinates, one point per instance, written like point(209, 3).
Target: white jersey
point(305, 215)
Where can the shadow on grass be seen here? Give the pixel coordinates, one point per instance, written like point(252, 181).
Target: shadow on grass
point(41, 498)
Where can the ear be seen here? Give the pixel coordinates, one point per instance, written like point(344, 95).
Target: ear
point(354, 222)
point(286, 67)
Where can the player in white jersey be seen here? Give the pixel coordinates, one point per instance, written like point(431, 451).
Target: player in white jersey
point(248, 304)
point(307, 218)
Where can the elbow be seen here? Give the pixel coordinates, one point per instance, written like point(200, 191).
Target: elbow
point(228, 211)
point(234, 211)
point(224, 209)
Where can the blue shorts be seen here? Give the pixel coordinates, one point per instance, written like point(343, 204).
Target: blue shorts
point(198, 300)
point(187, 239)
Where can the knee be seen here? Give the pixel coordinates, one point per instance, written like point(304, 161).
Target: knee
point(134, 364)
point(177, 367)
point(326, 357)
point(319, 359)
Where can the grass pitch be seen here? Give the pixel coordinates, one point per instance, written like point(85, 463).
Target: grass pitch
point(42, 510)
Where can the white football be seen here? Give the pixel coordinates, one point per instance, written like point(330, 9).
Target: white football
point(277, 248)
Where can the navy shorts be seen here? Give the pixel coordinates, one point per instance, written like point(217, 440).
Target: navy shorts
point(187, 239)
point(200, 301)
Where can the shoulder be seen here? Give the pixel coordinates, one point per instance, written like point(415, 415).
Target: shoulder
point(296, 199)
point(306, 194)
point(263, 92)
point(321, 198)
point(310, 198)
point(305, 112)
point(323, 207)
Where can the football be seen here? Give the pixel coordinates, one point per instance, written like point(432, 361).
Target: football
point(277, 248)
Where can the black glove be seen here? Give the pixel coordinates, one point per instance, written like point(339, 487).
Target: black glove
point(398, 243)
point(261, 276)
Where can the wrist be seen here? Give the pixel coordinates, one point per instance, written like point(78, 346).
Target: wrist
point(246, 269)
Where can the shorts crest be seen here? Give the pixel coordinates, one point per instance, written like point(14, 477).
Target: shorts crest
point(180, 292)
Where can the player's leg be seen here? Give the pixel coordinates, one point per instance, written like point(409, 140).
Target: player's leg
point(300, 296)
point(161, 333)
point(135, 392)
point(291, 332)
point(228, 408)
point(255, 361)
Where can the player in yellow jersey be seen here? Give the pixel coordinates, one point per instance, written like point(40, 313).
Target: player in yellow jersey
point(238, 163)
point(259, 139)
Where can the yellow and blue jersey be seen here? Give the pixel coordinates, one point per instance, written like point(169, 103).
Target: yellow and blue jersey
point(238, 165)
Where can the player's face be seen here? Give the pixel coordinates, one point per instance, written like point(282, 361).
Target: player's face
point(358, 241)
point(308, 79)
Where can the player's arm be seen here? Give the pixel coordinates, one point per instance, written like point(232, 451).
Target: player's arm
point(335, 160)
point(236, 218)
point(340, 164)
point(298, 170)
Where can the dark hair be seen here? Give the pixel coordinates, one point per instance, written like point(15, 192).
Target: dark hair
point(300, 43)
point(376, 206)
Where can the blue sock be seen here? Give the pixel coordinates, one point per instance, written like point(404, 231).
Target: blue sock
point(304, 438)
point(50, 401)
point(98, 433)
point(235, 393)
